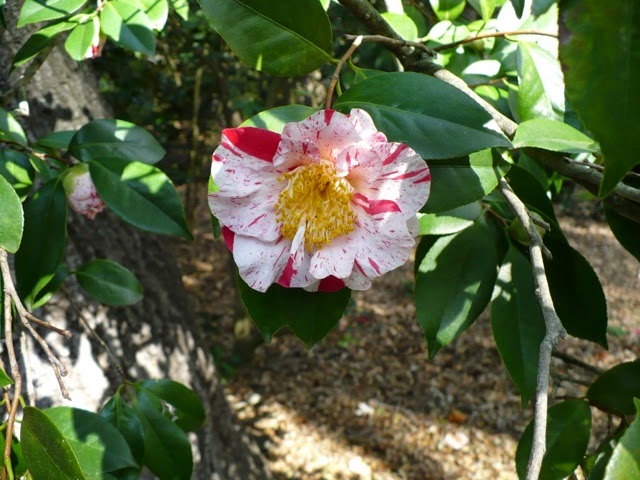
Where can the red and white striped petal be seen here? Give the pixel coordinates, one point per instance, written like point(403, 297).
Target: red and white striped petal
point(365, 127)
point(260, 263)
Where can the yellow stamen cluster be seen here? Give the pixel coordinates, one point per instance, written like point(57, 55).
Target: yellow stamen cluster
point(316, 196)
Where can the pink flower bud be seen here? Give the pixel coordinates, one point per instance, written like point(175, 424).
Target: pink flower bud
point(81, 192)
point(98, 41)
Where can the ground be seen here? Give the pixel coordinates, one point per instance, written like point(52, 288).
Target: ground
point(367, 403)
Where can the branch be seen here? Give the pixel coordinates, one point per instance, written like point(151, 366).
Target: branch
point(447, 46)
point(393, 42)
point(554, 330)
point(566, 358)
point(336, 74)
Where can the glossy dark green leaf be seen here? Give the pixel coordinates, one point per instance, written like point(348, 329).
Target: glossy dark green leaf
point(126, 24)
point(600, 57)
point(18, 462)
point(454, 282)
point(568, 430)
point(552, 135)
point(5, 379)
point(123, 417)
point(58, 140)
point(517, 321)
point(181, 7)
point(10, 129)
point(45, 294)
point(272, 36)
point(167, 451)
point(11, 217)
point(187, 405)
point(115, 138)
point(460, 181)
point(44, 238)
point(530, 191)
point(46, 450)
point(98, 446)
point(447, 9)
point(451, 221)
point(626, 231)
point(541, 86)
point(276, 118)
point(38, 41)
point(141, 195)
point(614, 390)
point(34, 11)
point(576, 292)
point(425, 113)
point(518, 6)
point(402, 24)
point(16, 168)
point(625, 460)
point(79, 40)
point(157, 11)
point(310, 315)
point(109, 282)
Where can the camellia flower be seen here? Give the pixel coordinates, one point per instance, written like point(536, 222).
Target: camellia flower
point(327, 203)
point(81, 192)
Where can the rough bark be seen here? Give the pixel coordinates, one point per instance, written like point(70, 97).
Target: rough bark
point(157, 338)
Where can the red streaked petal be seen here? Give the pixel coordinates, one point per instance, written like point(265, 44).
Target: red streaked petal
point(253, 141)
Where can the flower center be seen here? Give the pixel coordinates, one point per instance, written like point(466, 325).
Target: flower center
point(317, 197)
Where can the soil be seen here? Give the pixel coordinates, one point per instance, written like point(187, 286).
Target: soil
point(367, 403)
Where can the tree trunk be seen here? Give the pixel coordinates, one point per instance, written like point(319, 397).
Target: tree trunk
point(157, 338)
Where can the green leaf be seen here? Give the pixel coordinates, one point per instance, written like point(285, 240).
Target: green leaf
point(625, 461)
point(552, 135)
point(126, 24)
point(109, 282)
point(402, 24)
point(45, 294)
point(167, 451)
point(157, 11)
point(310, 315)
point(626, 231)
point(451, 221)
point(38, 41)
point(454, 281)
point(123, 417)
point(576, 292)
point(530, 191)
point(46, 450)
point(460, 181)
point(272, 36)
point(16, 168)
point(568, 430)
point(11, 217)
point(181, 7)
point(600, 55)
point(541, 86)
point(447, 9)
point(40, 10)
point(99, 447)
point(517, 322)
point(614, 390)
point(79, 40)
point(425, 113)
point(5, 380)
point(484, 7)
point(115, 138)
point(141, 195)
point(44, 238)
point(275, 119)
point(187, 405)
point(518, 7)
point(57, 140)
point(10, 129)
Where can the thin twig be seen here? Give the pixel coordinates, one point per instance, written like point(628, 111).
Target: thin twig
point(566, 378)
point(103, 344)
point(47, 325)
point(9, 290)
point(566, 358)
point(554, 330)
point(336, 73)
point(393, 42)
point(448, 46)
point(598, 168)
